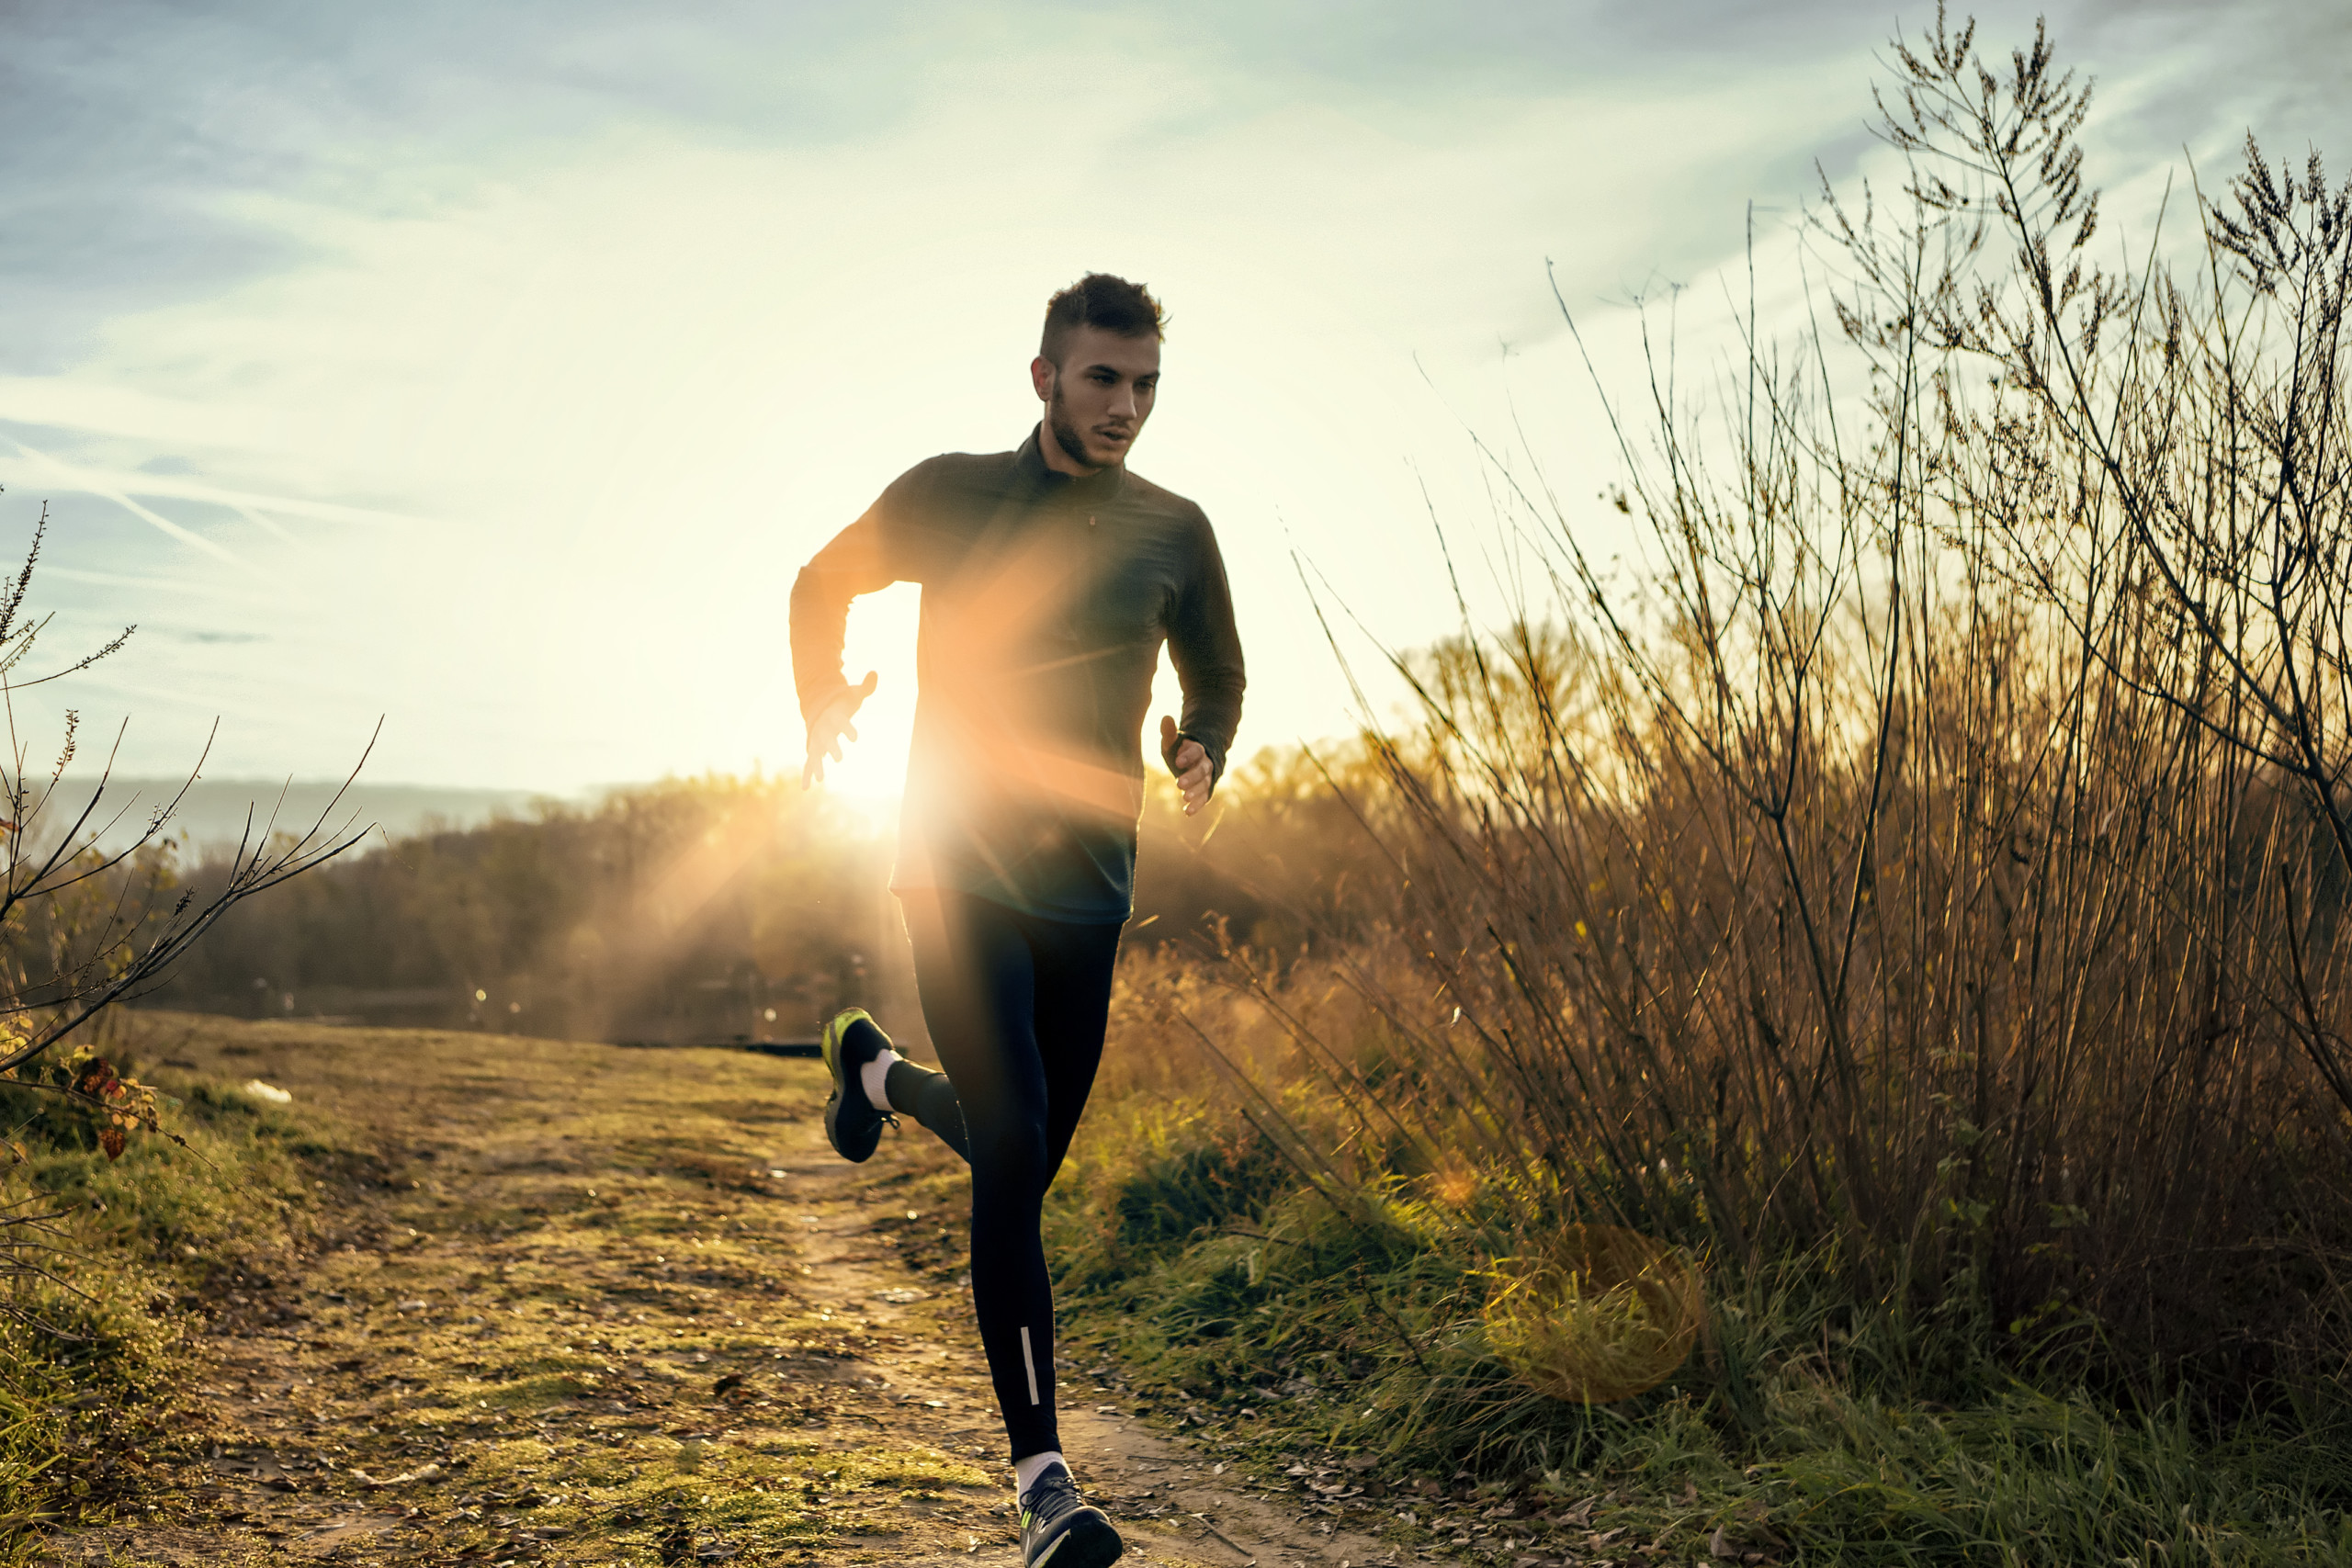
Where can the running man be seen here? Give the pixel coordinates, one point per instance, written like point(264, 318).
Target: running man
point(1050, 578)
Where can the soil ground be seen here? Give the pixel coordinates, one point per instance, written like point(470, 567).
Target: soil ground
point(601, 1306)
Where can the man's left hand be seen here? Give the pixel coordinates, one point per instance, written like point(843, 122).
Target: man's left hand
point(1189, 761)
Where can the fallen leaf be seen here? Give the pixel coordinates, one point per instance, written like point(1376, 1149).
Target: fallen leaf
point(1719, 1544)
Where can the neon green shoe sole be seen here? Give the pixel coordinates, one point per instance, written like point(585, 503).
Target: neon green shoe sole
point(853, 1124)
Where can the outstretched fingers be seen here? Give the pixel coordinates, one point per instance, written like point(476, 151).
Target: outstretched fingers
point(830, 727)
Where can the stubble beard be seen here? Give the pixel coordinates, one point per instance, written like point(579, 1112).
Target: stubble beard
point(1067, 436)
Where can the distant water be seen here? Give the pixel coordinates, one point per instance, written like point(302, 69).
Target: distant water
point(214, 811)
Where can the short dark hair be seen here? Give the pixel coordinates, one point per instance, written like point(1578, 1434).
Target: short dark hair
point(1098, 299)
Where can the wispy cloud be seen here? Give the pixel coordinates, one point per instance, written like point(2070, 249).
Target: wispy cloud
point(502, 363)
point(71, 478)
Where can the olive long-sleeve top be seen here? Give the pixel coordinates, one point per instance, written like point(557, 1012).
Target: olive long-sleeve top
point(1046, 600)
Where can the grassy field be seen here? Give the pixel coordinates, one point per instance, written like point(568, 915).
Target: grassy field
point(1272, 1310)
point(1271, 1322)
point(487, 1268)
point(469, 1298)
point(99, 1351)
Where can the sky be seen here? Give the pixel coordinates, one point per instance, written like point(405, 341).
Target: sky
point(488, 371)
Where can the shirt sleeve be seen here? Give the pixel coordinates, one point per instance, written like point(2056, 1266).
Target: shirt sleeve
point(867, 556)
point(1206, 651)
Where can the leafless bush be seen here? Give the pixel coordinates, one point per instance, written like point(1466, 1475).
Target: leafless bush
point(85, 927)
point(1935, 866)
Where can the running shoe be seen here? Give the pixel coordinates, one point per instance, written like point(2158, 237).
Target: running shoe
point(1061, 1529)
point(853, 1122)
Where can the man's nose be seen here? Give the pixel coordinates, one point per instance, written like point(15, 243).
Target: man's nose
point(1123, 401)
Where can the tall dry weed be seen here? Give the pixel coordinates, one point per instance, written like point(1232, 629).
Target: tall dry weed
point(1934, 867)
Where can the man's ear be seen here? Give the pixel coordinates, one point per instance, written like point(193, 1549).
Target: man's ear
point(1041, 376)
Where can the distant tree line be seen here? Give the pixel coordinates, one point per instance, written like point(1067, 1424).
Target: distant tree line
point(710, 908)
point(682, 910)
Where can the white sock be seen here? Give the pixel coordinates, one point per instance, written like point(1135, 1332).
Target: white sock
point(1026, 1471)
point(875, 1077)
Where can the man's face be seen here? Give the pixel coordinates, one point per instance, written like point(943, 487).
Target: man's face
point(1098, 398)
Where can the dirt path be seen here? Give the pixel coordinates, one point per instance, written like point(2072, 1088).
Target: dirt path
point(625, 1306)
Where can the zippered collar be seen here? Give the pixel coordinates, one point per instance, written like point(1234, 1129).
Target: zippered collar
point(1052, 487)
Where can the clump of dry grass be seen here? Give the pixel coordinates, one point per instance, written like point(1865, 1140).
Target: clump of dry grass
point(1595, 1315)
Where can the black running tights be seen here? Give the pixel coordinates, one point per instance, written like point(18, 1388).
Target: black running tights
point(1016, 1007)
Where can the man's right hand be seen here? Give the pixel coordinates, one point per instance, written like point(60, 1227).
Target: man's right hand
point(829, 726)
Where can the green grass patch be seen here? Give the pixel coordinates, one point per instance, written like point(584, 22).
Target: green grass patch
point(96, 1342)
point(1258, 1316)
point(659, 1495)
point(538, 1392)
